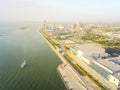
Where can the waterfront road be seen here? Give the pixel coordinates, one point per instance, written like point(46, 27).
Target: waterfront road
point(70, 80)
point(82, 82)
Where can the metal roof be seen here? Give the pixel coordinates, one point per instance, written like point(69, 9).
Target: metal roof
point(111, 65)
point(90, 48)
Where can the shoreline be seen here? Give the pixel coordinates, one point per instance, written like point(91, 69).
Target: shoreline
point(59, 73)
point(59, 56)
point(58, 67)
point(57, 53)
point(66, 71)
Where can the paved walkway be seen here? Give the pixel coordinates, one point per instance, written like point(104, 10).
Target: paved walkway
point(97, 76)
point(70, 80)
point(75, 79)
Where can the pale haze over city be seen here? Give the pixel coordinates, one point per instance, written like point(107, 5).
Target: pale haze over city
point(59, 44)
point(60, 10)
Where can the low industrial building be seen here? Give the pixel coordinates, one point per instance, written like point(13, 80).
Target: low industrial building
point(95, 57)
point(109, 69)
point(86, 51)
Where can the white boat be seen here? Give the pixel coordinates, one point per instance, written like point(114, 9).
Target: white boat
point(23, 64)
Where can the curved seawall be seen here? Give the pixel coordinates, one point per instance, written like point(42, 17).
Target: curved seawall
point(19, 45)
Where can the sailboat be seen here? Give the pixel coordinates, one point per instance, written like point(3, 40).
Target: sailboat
point(23, 64)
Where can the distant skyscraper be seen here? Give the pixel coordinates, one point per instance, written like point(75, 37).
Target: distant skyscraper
point(44, 23)
point(47, 26)
point(77, 26)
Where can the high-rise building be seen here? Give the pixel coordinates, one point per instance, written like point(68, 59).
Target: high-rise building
point(77, 26)
point(44, 23)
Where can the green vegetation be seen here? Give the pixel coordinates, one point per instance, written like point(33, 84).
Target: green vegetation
point(94, 37)
point(63, 33)
point(68, 57)
point(91, 77)
point(103, 40)
point(66, 47)
point(48, 38)
point(86, 73)
point(42, 30)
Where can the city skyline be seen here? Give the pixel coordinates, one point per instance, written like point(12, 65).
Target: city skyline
point(60, 11)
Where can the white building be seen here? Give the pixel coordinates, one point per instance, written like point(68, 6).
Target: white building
point(108, 68)
point(112, 67)
point(85, 51)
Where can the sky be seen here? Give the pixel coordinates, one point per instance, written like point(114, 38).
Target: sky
point(60, 10)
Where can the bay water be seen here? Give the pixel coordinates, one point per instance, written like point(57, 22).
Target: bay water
point(17, 45)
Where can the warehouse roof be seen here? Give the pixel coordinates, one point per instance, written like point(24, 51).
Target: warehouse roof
point(90, 48)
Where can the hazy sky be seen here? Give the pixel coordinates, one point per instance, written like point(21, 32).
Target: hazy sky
point(60, 10)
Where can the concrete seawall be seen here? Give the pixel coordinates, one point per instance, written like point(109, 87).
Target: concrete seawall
point(56, 52)
point(61, 75)
point(69, 75)
point(66, 72)
point(69, 78)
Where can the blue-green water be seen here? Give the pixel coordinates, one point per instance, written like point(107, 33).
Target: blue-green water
point(19, 45)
